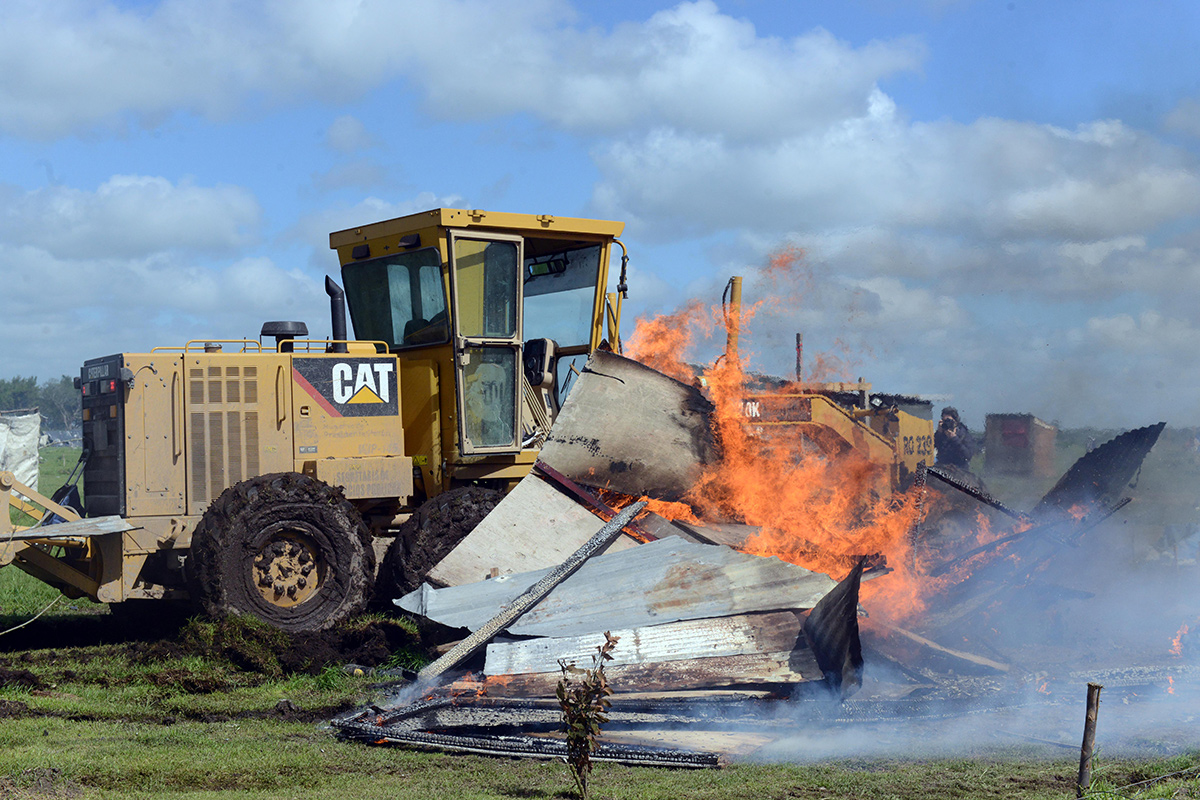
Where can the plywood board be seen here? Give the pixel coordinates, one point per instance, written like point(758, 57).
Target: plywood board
point(534, 527)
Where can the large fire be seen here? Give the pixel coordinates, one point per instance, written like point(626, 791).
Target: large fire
point(817, 512)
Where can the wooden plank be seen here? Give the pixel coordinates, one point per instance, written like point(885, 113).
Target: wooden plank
point(661, 527)
point(676, 641)
point(664, 581)
point(534, 527)
point(755, 669)
point(530, 597)
point(632, 429)
point(912, 648)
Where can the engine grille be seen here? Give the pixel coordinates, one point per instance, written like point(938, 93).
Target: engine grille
point(223, 420)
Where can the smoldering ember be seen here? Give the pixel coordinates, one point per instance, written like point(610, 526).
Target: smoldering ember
point(780, 590)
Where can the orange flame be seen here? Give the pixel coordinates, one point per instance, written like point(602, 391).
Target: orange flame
point(1177, 641)
point(813, 510)
point(659, 342)
point(1078, 512)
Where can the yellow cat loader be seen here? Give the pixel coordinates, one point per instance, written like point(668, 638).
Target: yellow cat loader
point(837, 420)
point(258, 476)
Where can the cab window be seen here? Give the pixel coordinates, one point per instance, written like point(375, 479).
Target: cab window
point(399, 299)
point(560, 291)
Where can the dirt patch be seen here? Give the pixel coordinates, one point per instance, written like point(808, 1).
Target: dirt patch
point(287, 711)
point(91, 627)
point(190, 682)
point(20, 677)
point(40, 783)
point(15, 709)
point(253, 647)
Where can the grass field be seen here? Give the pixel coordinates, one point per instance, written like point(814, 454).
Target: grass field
point(94, 709)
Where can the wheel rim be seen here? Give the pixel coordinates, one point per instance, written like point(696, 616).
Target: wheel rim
point(287, 570)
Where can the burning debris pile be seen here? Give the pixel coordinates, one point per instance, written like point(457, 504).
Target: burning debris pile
point(656, 515)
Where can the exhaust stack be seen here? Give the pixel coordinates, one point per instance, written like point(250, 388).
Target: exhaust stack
point(337, 314)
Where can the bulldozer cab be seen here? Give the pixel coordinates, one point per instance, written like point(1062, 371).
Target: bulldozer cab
point(491, 315)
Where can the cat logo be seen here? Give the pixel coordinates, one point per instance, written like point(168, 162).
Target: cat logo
point(367, 384)
point(349, 387)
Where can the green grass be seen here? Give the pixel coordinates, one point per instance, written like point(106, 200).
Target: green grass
point(267, 759)
point(22, 596)
point(106, 721)
point(118, 721)
point(54, 467)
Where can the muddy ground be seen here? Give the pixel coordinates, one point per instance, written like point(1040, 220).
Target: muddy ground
point(61, 649)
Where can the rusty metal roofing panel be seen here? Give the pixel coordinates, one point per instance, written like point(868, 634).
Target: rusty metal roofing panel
point(629, 428)
point(1101, 476)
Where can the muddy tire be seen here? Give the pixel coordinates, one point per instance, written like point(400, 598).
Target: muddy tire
point(428, 536)
point(285, 548)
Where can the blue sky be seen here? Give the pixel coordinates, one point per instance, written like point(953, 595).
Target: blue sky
point(997, 201)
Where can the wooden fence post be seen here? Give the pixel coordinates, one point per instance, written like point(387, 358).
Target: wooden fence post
point(1089, 739)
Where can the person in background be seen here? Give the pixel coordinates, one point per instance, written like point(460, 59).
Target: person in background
point(952, 441)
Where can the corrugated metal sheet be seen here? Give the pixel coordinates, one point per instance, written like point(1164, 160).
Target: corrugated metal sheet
point(743, 634)
point(832, 631)
point(75, 530)
point(1101, 476)
point(664, 581)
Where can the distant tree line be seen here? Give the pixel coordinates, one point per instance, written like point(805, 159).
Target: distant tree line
point(58, 400)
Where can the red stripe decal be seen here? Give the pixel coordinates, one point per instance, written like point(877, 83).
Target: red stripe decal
point(303, 383)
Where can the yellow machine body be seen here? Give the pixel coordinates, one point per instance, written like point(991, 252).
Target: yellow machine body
point(893, 433)
point(172, 429)
point(488, 314)
point(469, 327)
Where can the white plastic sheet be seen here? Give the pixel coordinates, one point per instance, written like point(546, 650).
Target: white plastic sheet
point(19, 434)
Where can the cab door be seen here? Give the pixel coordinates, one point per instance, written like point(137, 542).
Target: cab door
point(485, 281)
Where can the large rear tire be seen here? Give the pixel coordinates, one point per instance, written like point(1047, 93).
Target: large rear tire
point(285, 548)
point(428, 536)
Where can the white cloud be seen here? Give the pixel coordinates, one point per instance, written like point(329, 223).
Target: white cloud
point(348, 135)
point(908, 310)
point(103, 305)
point(1095, 253)
point(1184, 118)
point(361, 173)
point(1148, 333)
point(1090, 206)
point(72, 65)
point(314, 229)
point(69, 65)
point(129, 216)
point(990, 179)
